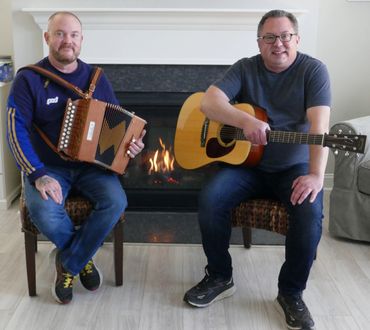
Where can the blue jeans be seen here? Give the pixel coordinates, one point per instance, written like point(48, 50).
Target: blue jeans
point(233, 185)
point(78, 246)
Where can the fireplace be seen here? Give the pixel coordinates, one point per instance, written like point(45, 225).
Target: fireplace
point(154, 181)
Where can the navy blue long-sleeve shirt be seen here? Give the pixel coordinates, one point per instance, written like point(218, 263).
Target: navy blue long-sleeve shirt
point(34, 99)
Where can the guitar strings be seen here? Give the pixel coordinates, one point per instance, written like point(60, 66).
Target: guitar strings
point(275, 136)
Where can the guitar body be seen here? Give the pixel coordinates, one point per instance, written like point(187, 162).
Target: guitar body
point(199, 141)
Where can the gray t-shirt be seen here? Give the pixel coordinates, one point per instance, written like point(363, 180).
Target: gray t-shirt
point(284, 96)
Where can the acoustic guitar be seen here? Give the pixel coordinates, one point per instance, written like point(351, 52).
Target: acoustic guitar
point(200, 141)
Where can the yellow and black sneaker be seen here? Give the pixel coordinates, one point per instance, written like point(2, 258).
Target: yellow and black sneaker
point(91, 277)
point(63, 284)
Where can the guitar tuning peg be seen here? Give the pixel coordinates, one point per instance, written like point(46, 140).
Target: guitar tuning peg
point(346, 154)
point(340, 131)
point(336, 152)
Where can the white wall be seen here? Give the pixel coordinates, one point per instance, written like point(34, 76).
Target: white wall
point(340, 28)
point(6, 41)
point(343, 43)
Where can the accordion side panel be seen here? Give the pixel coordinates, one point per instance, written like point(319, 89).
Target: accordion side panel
point(70, 137)
point(133, 130)
point(91, 130)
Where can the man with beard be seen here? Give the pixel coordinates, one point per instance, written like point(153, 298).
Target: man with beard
point(35, 100)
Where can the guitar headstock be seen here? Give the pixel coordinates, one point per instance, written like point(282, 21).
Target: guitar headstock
point(345, 142)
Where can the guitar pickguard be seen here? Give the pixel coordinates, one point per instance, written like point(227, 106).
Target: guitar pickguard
point(215, 150)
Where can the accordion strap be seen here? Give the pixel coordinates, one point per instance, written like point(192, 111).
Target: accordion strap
point(65, 83)
point(50, 144)
point(94, 80)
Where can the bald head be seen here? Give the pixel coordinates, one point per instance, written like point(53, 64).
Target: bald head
point(62, 13)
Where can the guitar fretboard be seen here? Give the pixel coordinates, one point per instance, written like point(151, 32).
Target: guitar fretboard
point(278, 136)
point(295, 137)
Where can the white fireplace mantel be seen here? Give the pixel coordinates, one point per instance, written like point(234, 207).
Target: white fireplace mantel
point(163, 36)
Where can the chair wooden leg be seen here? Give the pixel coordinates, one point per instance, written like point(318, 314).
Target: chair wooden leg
point(118, 252)
point(30, 243)
point(247, 237)
point(35, 244)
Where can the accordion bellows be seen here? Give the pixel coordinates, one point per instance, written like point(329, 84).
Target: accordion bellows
point(97, 132)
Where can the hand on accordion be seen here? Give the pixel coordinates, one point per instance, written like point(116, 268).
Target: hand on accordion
point(136, 146)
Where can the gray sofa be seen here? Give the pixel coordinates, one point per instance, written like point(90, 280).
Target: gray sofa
point(349, 213)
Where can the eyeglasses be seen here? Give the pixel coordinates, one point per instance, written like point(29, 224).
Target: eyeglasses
point(271, 38)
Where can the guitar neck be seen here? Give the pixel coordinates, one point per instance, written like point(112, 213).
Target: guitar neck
point(289, 137)
point(295, 137)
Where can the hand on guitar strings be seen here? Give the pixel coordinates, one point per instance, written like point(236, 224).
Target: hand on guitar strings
point(255, 131)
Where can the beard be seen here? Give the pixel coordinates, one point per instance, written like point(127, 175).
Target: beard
point(65, 58)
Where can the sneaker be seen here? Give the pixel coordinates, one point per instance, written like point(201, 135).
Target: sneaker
point(63, 284)
point(209, 290)
point(297, 315)
point(91, 277)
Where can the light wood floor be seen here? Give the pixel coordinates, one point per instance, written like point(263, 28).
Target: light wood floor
point(156, 277)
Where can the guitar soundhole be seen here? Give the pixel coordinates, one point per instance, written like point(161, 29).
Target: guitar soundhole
point(227, 135)
point(215, 150)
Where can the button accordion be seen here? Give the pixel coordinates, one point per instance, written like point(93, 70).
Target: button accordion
point(97, 132)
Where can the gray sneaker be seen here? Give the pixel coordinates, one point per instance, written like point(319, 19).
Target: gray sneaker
point(297, 315)
point(209, 290)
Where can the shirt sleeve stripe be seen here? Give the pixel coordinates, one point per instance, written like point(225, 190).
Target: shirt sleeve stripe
point(14, 144)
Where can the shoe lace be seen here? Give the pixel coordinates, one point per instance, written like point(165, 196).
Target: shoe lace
point(67, 280)
point(88, 269)
point(300, 308)
point(203, 283)
point(299, 304)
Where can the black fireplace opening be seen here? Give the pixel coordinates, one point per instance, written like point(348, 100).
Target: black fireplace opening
point(154, 181)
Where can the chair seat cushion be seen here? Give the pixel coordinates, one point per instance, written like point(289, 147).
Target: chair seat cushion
point(265, 214)
point(364, 178)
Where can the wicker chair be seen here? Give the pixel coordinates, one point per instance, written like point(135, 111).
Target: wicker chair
point(78, 209)
point(260, 213)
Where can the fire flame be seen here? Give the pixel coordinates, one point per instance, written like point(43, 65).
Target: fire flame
point(162, 161)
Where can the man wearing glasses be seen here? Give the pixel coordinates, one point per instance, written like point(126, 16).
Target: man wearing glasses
point(294, 90)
